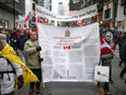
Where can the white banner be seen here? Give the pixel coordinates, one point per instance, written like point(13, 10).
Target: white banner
point(72, 16)
point(70, 54)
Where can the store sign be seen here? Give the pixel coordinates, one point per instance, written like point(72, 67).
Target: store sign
point(72, 16)
point(70, 54)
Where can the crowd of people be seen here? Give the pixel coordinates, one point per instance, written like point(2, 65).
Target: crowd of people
point(25, 44)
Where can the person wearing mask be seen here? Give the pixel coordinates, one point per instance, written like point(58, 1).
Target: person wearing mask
point(8, 72)
point(32, 49)
point(106, 58)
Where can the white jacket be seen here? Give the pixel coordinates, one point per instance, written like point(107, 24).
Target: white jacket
point(7, 80)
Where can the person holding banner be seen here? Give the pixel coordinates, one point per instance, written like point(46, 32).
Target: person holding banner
point(33, 61)
point(106, 59)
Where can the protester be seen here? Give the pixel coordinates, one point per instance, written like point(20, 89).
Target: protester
point(109, 37)
point(23, 37)
point(9, 53)
point(123, 55)
point(123, 71)
point(120, 43)
point(8, 72)
point(13, 38)
point(106, 58)
point(33, 49)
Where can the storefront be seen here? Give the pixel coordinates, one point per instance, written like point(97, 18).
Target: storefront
point(9, 9)
point(6, 19)
point(4, 23)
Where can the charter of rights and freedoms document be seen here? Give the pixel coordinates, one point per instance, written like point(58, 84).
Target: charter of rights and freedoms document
point(70, 54)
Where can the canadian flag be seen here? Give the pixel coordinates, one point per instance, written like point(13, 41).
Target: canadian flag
point(104, 46)
point(67, 47)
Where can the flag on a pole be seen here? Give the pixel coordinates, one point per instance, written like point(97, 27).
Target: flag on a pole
point(10, 54)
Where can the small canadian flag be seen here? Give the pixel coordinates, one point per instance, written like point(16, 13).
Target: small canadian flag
point(105, 47)
point(67, 47)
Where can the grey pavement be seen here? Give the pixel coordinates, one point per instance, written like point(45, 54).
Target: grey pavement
point(117, 88)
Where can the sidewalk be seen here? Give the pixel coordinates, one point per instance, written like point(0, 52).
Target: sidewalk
point(119, 87)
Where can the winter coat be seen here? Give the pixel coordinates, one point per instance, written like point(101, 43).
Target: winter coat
point(106, 49)
point(21, 41)
point(8, 73)
point(121, 43)
point(123, 51)
point(32, 59)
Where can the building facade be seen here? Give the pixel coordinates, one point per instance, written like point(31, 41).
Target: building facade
point(9, 10)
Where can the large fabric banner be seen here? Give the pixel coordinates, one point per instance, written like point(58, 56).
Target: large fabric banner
point(72, 16)
point(70, 54)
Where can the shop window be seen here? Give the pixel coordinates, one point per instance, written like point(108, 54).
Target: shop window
point(4, 23)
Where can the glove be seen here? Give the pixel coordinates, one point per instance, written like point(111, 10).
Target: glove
point(40, 60)
point(20, 81)
point(38, 48)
